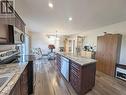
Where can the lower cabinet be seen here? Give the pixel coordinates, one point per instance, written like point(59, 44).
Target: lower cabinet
point(58, 62)
point(16, 90)
point(21, 87)
point(24, 82)
point(82, 78)
point(75, 76)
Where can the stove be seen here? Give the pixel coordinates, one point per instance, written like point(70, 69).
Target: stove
point(8, 56)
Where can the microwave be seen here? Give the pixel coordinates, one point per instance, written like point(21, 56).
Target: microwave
point(11, 35)
point(19, 37)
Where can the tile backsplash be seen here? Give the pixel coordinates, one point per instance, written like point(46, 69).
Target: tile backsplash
point(6, 47)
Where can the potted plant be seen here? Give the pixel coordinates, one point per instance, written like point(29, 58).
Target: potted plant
point(51, 47)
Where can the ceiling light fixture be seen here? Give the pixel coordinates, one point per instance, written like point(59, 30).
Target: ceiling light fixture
point(70, 18)
point(50, 5)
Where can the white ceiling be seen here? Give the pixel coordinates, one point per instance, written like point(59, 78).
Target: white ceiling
point(86, 14)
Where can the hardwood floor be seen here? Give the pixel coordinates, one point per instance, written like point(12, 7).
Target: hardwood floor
point(49, 82)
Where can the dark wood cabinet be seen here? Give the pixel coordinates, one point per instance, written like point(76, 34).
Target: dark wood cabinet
point(6, 36)
point(12, 18)
point(82, 78)
point(21, 87)
point(15, 21)
point(7, 20)
point(108, 53)
point(24, 82)
point(30, 77)
point(75, 76)
point(58, 62)
point(16, 90)
point(19, 23)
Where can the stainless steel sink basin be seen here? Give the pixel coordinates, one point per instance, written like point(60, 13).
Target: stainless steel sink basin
point(4, 79)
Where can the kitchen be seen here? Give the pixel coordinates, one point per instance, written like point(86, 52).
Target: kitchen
point(79, 54)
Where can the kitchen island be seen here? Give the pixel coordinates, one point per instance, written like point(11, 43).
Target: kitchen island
point(17, 77)
point(79, 71)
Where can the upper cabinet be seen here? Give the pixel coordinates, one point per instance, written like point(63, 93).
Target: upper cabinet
point(74, 44)
point(9, 16)
point(9, 20)
point(19, 23)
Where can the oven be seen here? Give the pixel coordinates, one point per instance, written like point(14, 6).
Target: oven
point(11, 35)
point(13, 57)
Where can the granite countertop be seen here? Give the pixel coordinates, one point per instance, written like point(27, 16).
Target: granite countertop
point(78, 59)
point(14, 69)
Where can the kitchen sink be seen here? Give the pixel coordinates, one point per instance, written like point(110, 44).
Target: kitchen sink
point(4, 79)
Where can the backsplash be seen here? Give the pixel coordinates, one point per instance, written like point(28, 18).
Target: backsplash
point(6, 47)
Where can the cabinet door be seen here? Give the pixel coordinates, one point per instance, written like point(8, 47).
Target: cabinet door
point(19, 24)
point(111, 53)
point(7, 19)
point(108, 50)
point(24, 82)
point(75, 76)
point(58, 62)
point(16, 90)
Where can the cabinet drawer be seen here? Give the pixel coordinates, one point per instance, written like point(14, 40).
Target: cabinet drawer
point(75, 69)
point(58, 57)
point(58, 65)
point(75, 82)
point(75, 65)
point(75, 72)
point(57, 60)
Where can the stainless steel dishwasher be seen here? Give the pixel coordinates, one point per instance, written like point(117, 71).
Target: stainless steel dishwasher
point(65, 67)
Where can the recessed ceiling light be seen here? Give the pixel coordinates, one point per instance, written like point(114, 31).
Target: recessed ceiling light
point(70, 18)
point(50, 5)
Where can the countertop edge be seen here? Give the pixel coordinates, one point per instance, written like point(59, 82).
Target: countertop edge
point(10, 85)
point(94, 61)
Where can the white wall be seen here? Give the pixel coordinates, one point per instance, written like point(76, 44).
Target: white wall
point(40, 40)
point(91, 36)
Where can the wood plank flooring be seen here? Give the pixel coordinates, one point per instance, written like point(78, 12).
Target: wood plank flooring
point(49, 82)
